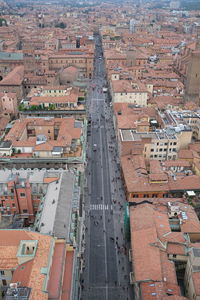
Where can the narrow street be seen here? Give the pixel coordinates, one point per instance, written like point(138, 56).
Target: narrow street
point(106, 266)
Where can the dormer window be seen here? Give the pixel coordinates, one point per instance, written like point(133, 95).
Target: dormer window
point(27, 250)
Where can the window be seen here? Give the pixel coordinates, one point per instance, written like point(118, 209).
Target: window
point(152, 150)
point(174, 143)
point(2, 272)
point(174, 255)
point(13, 204)
point(4, 282)
point(174, 149)
point(160, 149)
point(22, 195)
point(25, 211)
point(135, 195)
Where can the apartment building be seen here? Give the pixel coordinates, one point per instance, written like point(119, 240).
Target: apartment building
point(77, 58)
point(46, 137)
point(34, 266)
point(8, 61)
point(23, 192)
point(192, 274)
point(190, 118)
point(127, 91)
point(8, 104)
point(164, 247)
point(144, 179)
point(148, 132)
point(161, 144)
point(13, 82)
point(53, 98)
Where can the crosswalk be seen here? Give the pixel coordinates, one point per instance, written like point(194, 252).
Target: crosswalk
point(100, 206)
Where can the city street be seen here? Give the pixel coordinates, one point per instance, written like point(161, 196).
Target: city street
point(106, 266)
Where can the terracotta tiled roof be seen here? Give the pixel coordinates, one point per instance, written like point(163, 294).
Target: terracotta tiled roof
point(22, 273)
point(31, 273)
point(67, 279)
point(55, 278)
point(15, 77)
point(36, 100)
point(139, 182)
point(67, 132)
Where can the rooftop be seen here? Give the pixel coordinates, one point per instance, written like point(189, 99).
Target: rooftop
point(11, 56)
point(55, 218)
point(138, 180)
point(32, 275)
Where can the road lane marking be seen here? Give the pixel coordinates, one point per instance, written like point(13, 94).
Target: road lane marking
point(100, 207)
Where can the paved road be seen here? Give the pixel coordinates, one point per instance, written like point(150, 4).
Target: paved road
point(106, 267)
